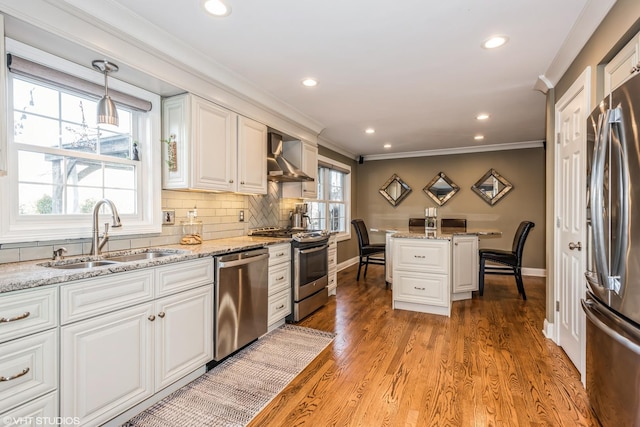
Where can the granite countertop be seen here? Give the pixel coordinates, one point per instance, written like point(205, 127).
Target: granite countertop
point(31, 274)
point(441, 234)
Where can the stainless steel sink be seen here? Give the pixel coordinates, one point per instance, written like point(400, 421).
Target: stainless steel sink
point(140, 256)
point(83, 264)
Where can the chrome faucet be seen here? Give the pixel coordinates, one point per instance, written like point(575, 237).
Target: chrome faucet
point(97, 242)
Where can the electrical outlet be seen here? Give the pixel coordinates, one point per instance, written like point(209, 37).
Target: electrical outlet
point(168, 217)
point(241, 216)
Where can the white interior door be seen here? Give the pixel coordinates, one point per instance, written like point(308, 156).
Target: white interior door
point(570, 201)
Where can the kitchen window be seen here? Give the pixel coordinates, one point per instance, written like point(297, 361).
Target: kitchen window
point(332, 211)
point(61, 161)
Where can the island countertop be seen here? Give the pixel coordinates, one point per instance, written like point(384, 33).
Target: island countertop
point(31, 274)
point(439, 233)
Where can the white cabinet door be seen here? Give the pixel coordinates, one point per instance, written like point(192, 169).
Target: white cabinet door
point(621, 67)
point(183, 334)
point(465, 263)
point(421, 288)
point(106, 364)
point(213, 165)
point(252, 156)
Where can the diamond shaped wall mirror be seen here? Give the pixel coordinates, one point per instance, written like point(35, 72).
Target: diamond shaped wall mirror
point(441, 189)
point(395, 190)
point(492, 187)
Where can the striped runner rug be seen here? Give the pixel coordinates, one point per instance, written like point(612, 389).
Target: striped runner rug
point(236, 390)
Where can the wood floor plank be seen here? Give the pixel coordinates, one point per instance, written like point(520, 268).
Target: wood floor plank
point(486, 365)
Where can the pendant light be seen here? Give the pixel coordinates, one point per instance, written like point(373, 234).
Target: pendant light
point(107, 112)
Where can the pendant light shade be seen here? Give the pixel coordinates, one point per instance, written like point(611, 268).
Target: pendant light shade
point(106, 110)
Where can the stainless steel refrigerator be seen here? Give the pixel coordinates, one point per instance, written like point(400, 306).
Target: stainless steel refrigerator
point(612, 303)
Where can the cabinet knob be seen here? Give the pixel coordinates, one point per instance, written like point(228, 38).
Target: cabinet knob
point(230, 181)
point(152, 317)
point(242, 182)
point(161, 315)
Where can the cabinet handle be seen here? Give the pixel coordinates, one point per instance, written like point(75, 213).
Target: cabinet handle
point(152, 317)
point(280, 307)
point(419, 256)
point(13, 319)
point(242, 182)
point(280, 254)
point(13, 377)
point(280, 278)
point(161, 315)
point(419, 289)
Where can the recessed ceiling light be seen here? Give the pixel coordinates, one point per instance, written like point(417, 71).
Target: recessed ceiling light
point(309, 82)
point(482, 116)
point(494, 42)
point(387, 145)
point(217, 7)
point(478, 137)
point(370, 130)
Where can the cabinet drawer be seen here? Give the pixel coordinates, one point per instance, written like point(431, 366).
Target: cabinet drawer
point(431, 256)
point(333, 280)
point(180, 276)
point(43, 407)
point(279, 306)
point(86, 298)
point(332, 255)
point(24, 313)
point(279, 278)
point(30, 368)
point(279, 254)
point(421, 288)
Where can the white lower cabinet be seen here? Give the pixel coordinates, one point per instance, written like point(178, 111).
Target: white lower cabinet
point(332, 270)
point(279, 284)
point(421, 275)
point(113, 361)
point(42, 411)
point(465, 266)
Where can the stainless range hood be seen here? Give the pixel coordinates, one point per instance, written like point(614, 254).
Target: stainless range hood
point(278, 168)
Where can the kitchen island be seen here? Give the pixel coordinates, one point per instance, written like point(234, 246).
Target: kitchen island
point(429, 270)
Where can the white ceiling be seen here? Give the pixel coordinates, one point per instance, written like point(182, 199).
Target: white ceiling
point(414, 70)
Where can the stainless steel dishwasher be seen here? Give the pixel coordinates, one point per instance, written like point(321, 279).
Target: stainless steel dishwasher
point(241, 300)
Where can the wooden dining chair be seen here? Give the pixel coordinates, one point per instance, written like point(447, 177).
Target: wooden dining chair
point(511, 261)
point(370, 253)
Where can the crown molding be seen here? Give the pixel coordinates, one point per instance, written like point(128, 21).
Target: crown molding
point(335, 147)
point(590, 18)
point(458, 150)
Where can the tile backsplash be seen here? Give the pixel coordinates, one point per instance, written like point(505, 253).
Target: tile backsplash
point(219, 213)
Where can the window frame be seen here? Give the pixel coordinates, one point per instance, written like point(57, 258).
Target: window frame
point(347, 193)
point(15, 228)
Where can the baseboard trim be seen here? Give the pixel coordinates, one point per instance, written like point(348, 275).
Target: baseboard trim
point(537, 272)
point(347, 263)
point(549, 330)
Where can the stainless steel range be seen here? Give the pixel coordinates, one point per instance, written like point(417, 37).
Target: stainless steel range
point(309, 268)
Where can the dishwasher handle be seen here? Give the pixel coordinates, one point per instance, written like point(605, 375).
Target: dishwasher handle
point(243, 261)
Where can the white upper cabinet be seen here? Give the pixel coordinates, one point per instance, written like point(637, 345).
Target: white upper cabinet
point(622, 66)
point(304, 155)
point(207, 147)
point(252, 155)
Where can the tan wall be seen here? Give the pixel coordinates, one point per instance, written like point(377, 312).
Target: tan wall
point(525, 169)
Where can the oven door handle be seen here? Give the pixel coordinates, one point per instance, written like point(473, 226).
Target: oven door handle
point(312, 250)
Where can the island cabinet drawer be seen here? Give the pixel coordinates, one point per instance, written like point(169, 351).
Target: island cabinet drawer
point(279, 306)
point(421, 288)
point(172, 278)
point(42, 407)
point(279, 253)
point(87, 298)
point(420, 255)
point(28, 368)
point(26, 312)
point(279, 278)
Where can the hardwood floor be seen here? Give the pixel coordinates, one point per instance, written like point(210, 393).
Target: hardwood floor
point(486, 365)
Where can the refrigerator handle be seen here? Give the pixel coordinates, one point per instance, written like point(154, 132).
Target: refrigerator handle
point(593, 314)
point(619, 254)
point(597, 198)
